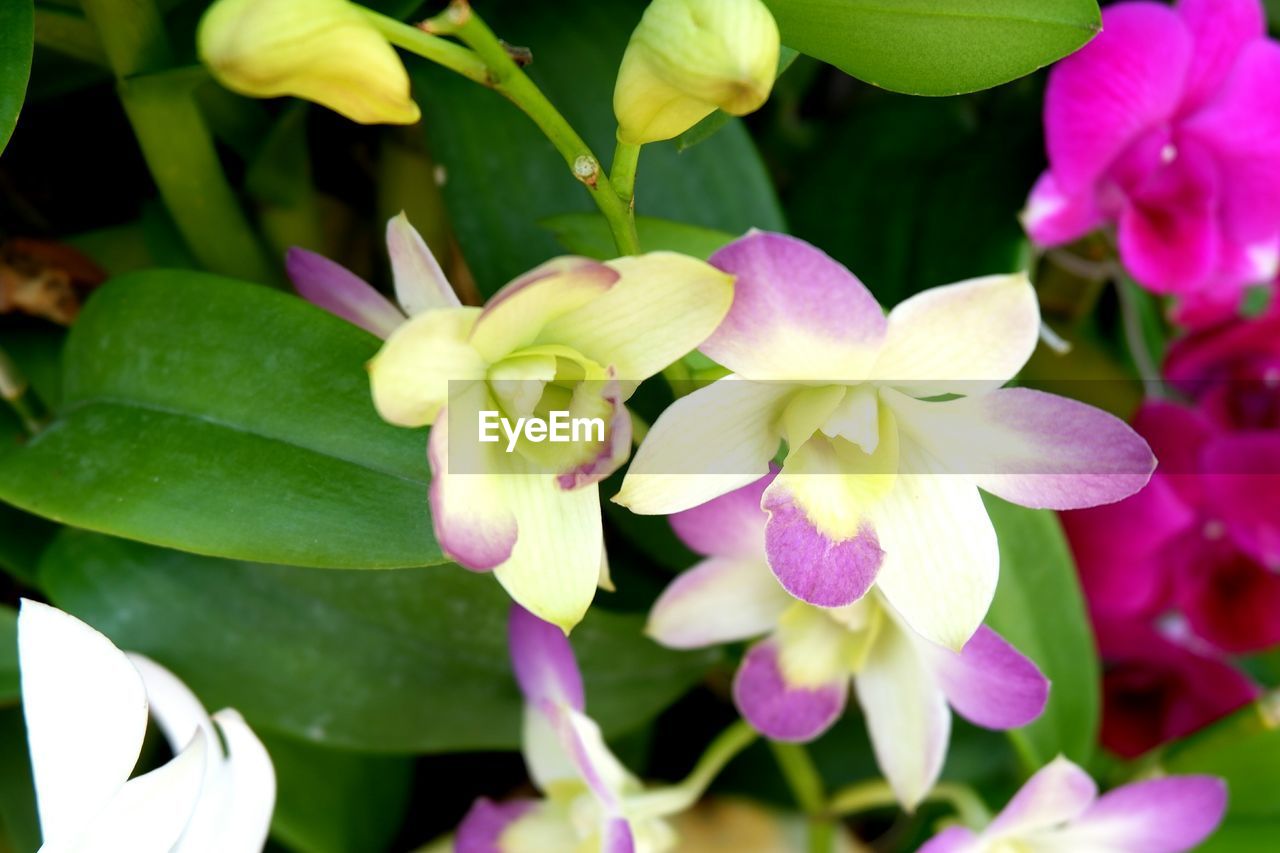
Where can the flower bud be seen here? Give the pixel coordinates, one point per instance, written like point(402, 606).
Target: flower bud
point(321, 50)
point(690, 57)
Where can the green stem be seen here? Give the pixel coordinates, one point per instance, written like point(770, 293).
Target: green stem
point(678, 797)
point(877, 794)
point(455, 57)
point(807, 788)
point(1135, 335)
point(15, 390)
point(505, 76)
point(626, 157)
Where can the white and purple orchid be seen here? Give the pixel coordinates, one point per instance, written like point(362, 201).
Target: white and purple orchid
point(591, 802)
point(574, 335)
point(881, 478)
point(793, 685)
point(86, 705)
point(1059, 810)
point(1167, 126)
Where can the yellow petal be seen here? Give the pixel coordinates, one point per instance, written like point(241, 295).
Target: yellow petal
point(410, 375)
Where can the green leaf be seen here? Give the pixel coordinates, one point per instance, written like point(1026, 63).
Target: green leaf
point(21, 826)
point(17, 42)
point(588, 234)
point(937, 47)
point(10, 689)
point(408, 661)
point(502, 177)
point(1244, 750)
point(1039, 609)
point(334, 801)
point(225, 418)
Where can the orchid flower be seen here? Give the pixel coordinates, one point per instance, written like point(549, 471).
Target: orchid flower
point(591, 802)
point(574, 335)
point(881, 478)
point(1167, 125)
point(1059, 810)
point(793, 685)
point(86, 705)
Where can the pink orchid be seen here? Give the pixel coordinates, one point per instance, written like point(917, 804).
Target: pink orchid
point(1159, 685)
point(1232, 370)
point(1059, 810)
point(1203, 537)
point(891, 424)
point(1167, 126)
point(794, 684)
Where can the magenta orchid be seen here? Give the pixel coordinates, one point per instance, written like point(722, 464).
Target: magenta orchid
point(1167, 126)
point(591, 802)
point(793, 685)
point(1059, 810)
point(881, 478)
point(575, 337)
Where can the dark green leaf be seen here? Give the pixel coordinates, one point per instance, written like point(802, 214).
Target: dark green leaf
point(1039, 609)
point(17, 40)
point(588, 234)
point(10, 689)
point(405, 661)
point(937, 47)
point(503, 177)
point(334, 801)
point(18, 818)
point(224, 418)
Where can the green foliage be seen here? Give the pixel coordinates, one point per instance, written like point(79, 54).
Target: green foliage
point(502, 178)
point(10, 690)
point(937, 47)
point(227, 419)
point(1039, 608)
point(407, 661)
point(588, 234)
point(17, 35)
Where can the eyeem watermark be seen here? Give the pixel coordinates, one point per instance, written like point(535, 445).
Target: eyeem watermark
point(559, 428)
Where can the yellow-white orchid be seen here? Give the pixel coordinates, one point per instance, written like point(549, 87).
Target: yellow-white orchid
point(574, 336)
point(891, 427)
point(86, 705)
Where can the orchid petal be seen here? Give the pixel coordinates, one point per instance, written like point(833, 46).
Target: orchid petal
point(720, 600)
point(554, 567)
point(978, 333)
point(249, 786)
point(1031, 448)
point(609, 454)
point(1156, 816)
point(663, 306)
point(339, 291)
point(597, 766)
point(1228, 598)
point(941, 558)
point(420, 283)
point(543, 661)
point(955, 839)
point(469, 512)
point(175, 709)
point(715, 440)
point(730, 525)
point(485, 824)
point(778, 709)
point(148, 814)
point(989, 682)
point(797, 314)
point(617, 837)
point(1243, 485)
point(907, 716)
point(86, 714)
point(517, 314)
point(1101, 98)
point(410, 375)
point(1059, 792)
point(1220, 30)
point(1053, 218)
point(819, 540)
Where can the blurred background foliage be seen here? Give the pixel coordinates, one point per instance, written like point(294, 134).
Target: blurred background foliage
point(385, 698)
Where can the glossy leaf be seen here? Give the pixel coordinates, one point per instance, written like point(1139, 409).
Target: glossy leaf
point(588, 234)
point(335, 801)
point(937, 47)
point(17, 41)
point(502, 177)
point(225, 418)
point(408, 661)
point(1039, 608)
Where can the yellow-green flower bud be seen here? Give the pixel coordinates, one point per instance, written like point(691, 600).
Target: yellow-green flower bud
point(325, 51)
point(690, 57)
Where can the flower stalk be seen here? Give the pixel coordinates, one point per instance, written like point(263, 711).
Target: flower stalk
point(806, 786)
